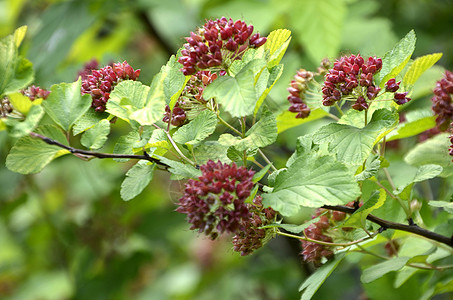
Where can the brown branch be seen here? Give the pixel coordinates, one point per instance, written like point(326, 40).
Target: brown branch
point(412, 228)
point(73, 150)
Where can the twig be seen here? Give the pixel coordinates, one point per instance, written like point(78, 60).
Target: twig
point(397, 226)
point(73, 150)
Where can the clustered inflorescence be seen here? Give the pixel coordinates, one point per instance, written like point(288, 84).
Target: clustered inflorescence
point(35, 92)
point(217, 44)
point(191, 97)
point(314, 252)
point(352, 77)
point(299, 86)
point(88, 68)
point(215, 203)
point(101, 82)
point(254, 236)
point(442, 101)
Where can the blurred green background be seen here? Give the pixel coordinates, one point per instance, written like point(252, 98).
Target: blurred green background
point(66, 234)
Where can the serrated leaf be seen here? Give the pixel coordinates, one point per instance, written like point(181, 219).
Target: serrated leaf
point(358, 218)
point(377, 271)
point(432, 151)
point(25, 127)
point(158, 139)
point(127, 98)
point(396, 59)
point(260, 174)
point(262, 134)
point(417, 122)
point(237, 95)
point(447, 206)
point(274, 75)
point(88, 120)
point(180, 169)
point(174, 82)
point(236, 155)
point(196, 130)
point(277, 43)
point(125, 145)
point(287, 119)
point(312, 181)
point(210, 150)
point(16, 72)
point(137, 179)
point(293, 228)
point(95, 137)
point(372, 166)
point(312, 283)
point(30, 155)
point(319, 25)
point(353, 145)
point(419, 66)
point(65, 104)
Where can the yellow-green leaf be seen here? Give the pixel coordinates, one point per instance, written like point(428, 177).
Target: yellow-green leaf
point(419, 66)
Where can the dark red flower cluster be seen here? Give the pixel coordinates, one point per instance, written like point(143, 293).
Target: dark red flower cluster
point(88, 68)
point(176, 117)
point(218, 42)
point(353, 76)
point(297, 89)
point(215, 203)
point(314, 252)
point(35, 92)
point(254, 237)
point(442, 104)
point(191, 96)
point(101, 82)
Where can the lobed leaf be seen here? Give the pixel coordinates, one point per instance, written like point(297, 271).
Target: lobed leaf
point(312, 181)
point(95, 137)
point(196, 130)
point(65, 104)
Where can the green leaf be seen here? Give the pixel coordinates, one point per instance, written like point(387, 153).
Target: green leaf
point(126, 144)
point(396, 59)
point(196, 130)
point(448, 206)
point(287, 119)
point(88, 120)
point(137, 179)
point(25, 127)
point(318, 25)
point(237, 95)
point(423, 173)
point(22, 103)
point(419, 66)
point(16, 72)
point(274, 75)
point(260, 174)
point(312, 182)
point(95, 137)
point(312, 283)
point(127, 98)
point(276, 44)
point(372, 166)
point(210, 150)
point(432, 151)
point(358, 218)
point(353, 145)
point(262, 134)
point(235, 155)
point(377, 271)
point(30, 155)
point(174, 82)
point(65, 104)
point(179, 169)
point(293, 228)
point(417, 121)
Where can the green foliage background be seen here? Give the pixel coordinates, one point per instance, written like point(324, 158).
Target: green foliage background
point(65, 233)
